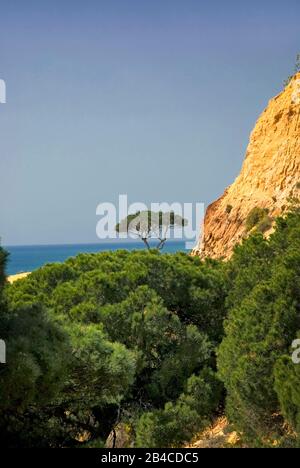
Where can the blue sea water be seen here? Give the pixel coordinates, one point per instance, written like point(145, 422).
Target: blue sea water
point(29, 258)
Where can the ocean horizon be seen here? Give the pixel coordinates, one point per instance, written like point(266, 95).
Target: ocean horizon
point(27, 258)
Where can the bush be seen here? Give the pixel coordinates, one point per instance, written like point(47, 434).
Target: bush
point(287, 384)
point(262, 323)
point(112, 335)
point(132, 337)
point(179, 421)
point(258, 218)
point(265, 224)
point(3, 261)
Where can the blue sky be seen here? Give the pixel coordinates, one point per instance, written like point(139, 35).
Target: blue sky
point(155, 99)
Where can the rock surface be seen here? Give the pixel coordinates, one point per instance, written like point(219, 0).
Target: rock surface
point(270, 176)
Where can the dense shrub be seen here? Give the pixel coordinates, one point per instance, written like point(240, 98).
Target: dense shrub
point(263, 321)
point(178, 422)
point(131, 338)
point(3, 260)
point(106, 338)
point(287, 384)
point(259, 218)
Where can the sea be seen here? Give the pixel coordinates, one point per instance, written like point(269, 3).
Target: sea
point(28, 258)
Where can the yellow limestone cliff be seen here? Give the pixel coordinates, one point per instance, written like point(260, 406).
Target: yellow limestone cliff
point(269, 178)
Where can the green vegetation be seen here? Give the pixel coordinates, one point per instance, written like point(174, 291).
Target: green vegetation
point(3, 260)
point(147, 225)
point(179, 421)
point(255, 356)
point(109, 338)
point(157, 343)
point(229, 209)
point(296, 70)
point(259, 219)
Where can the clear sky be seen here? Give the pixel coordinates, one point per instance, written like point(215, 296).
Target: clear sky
point(153, 98)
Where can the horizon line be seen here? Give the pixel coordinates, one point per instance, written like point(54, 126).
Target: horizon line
point(111, 241)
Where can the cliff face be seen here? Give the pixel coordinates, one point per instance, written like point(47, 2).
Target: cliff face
point(270, 176)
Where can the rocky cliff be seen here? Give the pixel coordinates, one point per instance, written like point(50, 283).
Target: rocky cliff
point(269, 179)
